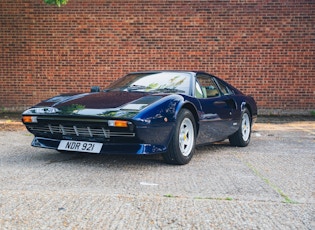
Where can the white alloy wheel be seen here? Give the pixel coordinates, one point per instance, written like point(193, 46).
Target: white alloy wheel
point(182, 144)
point(186, 137)
point(245, 126)
point(241, 137)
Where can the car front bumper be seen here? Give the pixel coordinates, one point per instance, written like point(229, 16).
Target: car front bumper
point(107, 148)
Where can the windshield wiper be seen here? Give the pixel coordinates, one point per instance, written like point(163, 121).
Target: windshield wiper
point(170, 90)
point(135, 87)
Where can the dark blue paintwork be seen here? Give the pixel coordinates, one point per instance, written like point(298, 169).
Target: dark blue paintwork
point(152, 114)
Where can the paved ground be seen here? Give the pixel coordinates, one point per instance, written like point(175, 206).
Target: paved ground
point(267, 185)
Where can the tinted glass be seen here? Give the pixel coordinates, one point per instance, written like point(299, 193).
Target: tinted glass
point(224, 88)
point(209, 87)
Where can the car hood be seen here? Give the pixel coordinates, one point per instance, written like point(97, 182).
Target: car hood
point(109, 104)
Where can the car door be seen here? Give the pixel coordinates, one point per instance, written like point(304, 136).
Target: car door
point(218, 108)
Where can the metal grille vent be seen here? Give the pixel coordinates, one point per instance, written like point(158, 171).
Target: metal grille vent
point(79, 131)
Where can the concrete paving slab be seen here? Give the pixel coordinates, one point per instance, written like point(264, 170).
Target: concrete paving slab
point(267, 185)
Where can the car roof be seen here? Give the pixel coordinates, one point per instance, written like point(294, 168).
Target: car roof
point(179, 71)
point(162, 71)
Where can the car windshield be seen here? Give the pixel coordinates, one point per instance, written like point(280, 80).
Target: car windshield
point(166, 82)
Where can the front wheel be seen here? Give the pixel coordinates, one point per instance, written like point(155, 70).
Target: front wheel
point(182, 145)
point(242, 137)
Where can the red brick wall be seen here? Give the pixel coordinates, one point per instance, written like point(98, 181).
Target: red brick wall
point(265, 48)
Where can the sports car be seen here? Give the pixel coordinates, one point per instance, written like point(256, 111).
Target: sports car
point(152, 112)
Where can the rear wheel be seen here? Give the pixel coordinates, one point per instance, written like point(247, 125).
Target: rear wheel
point(182, 145)
point(242, 137)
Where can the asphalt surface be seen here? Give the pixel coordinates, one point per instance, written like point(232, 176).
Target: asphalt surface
point(267, 185)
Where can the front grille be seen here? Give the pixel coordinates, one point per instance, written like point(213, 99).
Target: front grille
point(79, 131)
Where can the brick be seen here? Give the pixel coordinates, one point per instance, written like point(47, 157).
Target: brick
point(264, 48)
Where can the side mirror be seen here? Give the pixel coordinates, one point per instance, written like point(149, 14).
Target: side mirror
point(95, 89)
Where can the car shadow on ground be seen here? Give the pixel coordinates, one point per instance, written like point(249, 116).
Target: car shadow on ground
point(86, 159)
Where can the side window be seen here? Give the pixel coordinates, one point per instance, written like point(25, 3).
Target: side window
point(224, 88)
point(199, 92)
point(208, 86)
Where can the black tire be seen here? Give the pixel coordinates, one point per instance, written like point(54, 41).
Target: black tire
point(242, 137)
point(182, 144)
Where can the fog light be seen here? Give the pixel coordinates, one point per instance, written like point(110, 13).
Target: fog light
point(29, 119)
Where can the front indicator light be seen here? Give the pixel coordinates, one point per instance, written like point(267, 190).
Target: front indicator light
point(29, 119)
point(118, 123)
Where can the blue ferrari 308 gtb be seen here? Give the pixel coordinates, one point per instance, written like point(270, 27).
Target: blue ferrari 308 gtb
point(156, 112)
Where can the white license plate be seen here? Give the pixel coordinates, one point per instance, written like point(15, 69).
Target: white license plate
point(80, 146)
